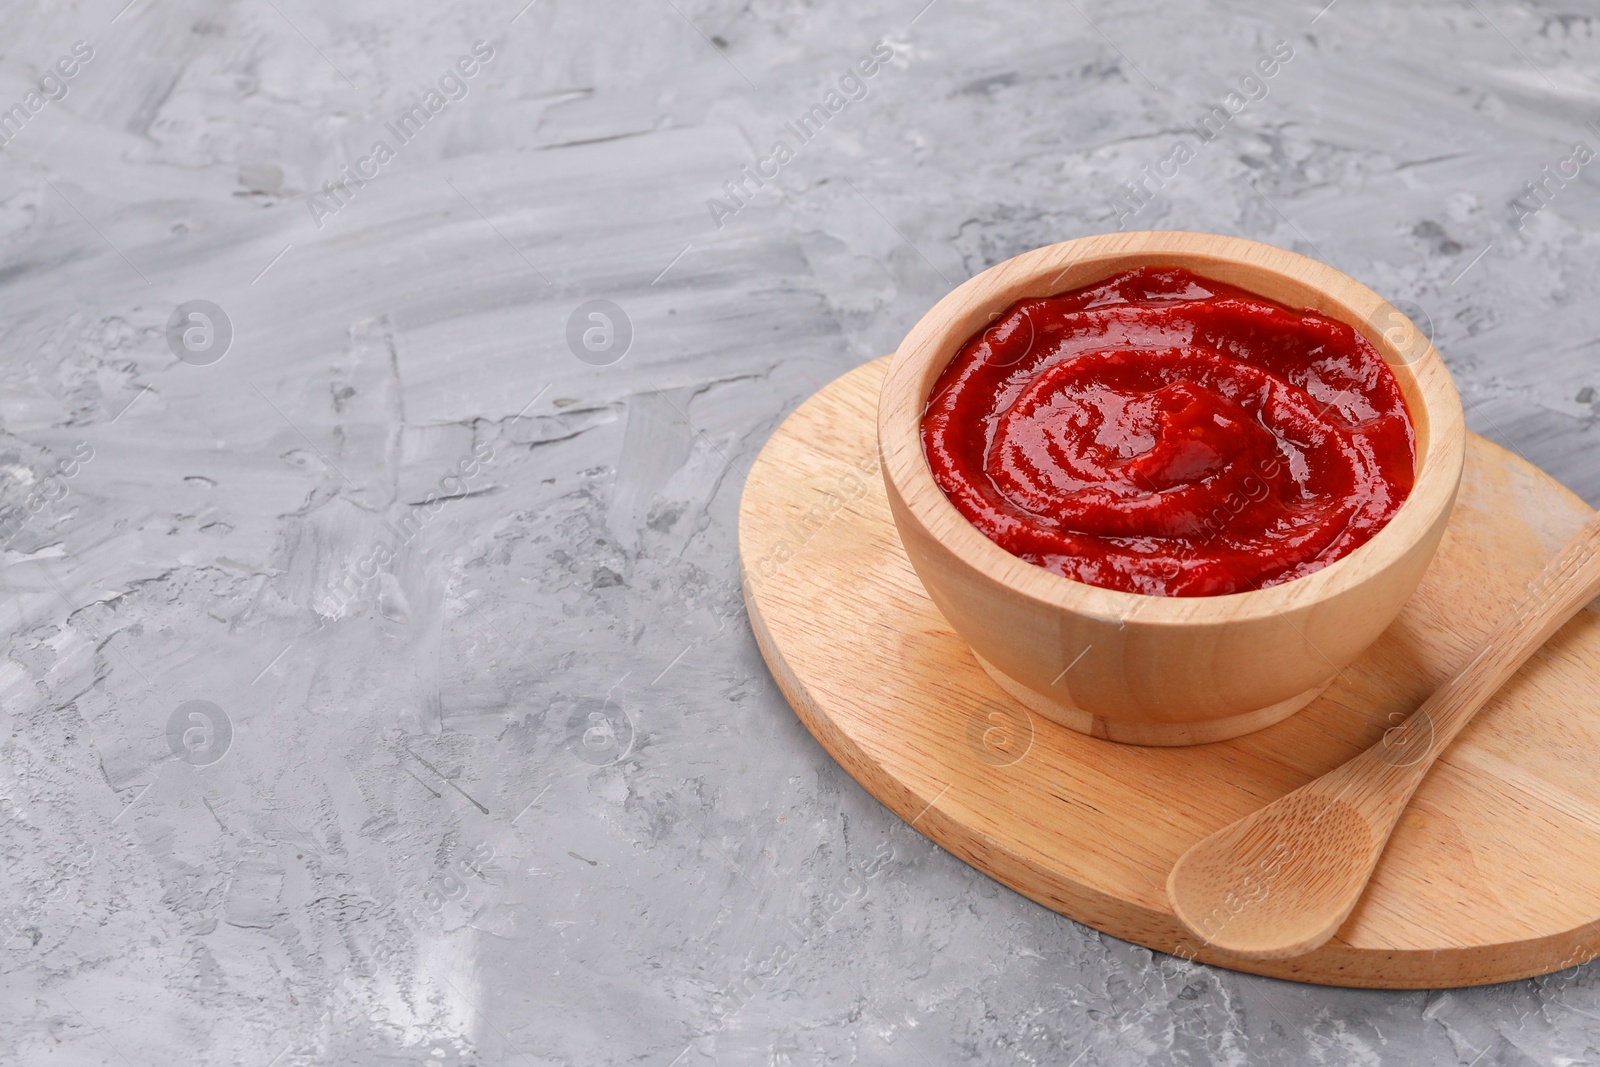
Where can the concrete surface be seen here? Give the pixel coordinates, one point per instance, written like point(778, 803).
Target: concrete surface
point(485, 766)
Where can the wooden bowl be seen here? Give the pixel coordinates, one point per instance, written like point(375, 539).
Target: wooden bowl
point(1157, 670)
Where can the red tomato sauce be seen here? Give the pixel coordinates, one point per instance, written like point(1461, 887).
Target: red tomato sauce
point(1165, 434)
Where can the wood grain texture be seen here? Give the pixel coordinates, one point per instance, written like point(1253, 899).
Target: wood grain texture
point(1165, 670)
point(1489, 876)
point(1280, 881)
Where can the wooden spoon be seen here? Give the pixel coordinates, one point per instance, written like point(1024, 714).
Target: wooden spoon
point(1281, 880)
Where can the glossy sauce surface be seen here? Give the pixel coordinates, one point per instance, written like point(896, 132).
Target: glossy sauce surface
point(1165, 434)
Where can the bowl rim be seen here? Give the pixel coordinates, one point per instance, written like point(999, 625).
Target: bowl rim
point(933, 341)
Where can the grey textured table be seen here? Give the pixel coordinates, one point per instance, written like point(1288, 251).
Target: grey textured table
point(377, 688)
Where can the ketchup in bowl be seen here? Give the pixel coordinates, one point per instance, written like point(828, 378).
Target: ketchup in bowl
point(1162, 433)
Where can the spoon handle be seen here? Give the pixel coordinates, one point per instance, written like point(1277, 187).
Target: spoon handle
point(1567, 583)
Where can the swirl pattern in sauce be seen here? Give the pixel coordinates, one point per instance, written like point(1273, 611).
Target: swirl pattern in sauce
point(1165, 434)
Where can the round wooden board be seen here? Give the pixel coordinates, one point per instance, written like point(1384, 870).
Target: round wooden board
point(1493, 874)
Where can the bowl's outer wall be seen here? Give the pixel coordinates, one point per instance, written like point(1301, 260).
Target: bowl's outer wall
point(1123, 668)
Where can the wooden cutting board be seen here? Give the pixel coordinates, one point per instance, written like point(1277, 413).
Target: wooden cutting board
point(1493, 874)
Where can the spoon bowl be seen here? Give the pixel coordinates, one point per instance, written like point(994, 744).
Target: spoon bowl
point(1263, 890)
